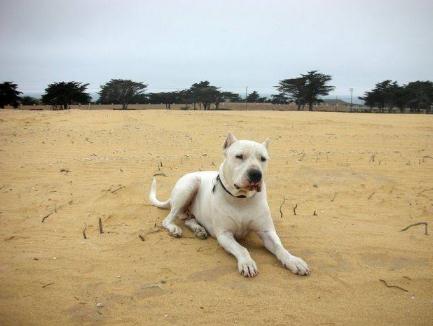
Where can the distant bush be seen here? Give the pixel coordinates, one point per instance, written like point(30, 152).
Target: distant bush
point(29, 100)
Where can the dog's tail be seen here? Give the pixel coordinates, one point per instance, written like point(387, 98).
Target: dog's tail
point(154, 200)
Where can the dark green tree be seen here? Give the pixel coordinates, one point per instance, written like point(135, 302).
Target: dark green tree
point(255, 97)
point(386, 95)
point(294, 90)
point(419, 96)
point(120, 91)
point(63, 94)
point(205, 94)
point(373, 99)
point(140, 99)
point(401, 98)
point(280, 98)
point(169, 98)
point(315, 86)
point(9, 94)
point(306, 89)
point(231, 97)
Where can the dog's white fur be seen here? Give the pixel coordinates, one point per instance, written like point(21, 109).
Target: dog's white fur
point(200, 200)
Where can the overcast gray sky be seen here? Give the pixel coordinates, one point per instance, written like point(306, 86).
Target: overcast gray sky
point(171, 44)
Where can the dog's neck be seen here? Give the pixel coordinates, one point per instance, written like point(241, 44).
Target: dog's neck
point(231, 188)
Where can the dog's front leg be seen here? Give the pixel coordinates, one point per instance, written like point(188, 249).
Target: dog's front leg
point(272, 242)
point(246, 265)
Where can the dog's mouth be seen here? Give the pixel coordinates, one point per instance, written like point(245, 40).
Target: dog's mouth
point(251, 186)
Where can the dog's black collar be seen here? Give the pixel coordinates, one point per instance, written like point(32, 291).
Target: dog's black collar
point(222, 185)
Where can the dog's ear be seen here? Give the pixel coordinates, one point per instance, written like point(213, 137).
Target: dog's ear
point(229, 140)
point(266, 143)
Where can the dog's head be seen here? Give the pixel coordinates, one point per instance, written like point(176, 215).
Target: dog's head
point(245, 164)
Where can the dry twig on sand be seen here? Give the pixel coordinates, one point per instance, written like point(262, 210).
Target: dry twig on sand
point(84, 232)
point(415, 224)
point(294, 209)
point(44, 286)
point(281, 207)
point(159, 165)
point(55, 210)
point(143, 233)
point(393, 286)
point(160, 173)
point(116, 189)
point(48, 215)
point(101, 230)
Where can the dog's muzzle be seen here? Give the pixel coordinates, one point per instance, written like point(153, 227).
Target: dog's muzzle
point(254, 181)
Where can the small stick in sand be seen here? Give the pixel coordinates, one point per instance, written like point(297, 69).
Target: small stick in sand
point(44, 286)
point(281, 207)
point(371, 195)
point(101, 230)
point(141, 237)
point(117, 189)
point(47, 216)
point(314, 213)
point(415, 224)
point(393, 286)
point(161, 174)
point(84, 232)
point(294, 209)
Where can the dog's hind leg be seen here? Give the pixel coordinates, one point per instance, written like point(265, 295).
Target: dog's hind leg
point(199, 231)
point(182, 195)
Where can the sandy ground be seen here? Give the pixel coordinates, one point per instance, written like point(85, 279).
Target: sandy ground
point(356, 180)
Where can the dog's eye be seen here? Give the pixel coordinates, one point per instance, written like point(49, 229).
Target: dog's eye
point(263, 159)
point(240, 156)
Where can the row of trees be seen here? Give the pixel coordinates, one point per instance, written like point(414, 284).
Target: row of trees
point(387, 95)
point(305, 90)
point(302, 90)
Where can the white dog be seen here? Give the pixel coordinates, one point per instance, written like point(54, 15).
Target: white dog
point(228, 204)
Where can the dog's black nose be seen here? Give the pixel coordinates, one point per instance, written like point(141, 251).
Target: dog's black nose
point(254, 175)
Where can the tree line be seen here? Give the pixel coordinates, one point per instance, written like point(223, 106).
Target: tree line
point(387, 95)
point(305, 90)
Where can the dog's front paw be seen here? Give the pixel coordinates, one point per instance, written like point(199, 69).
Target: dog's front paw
point(201, 233)
point(174, 230)
point(248, 268)
point(296, 265)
